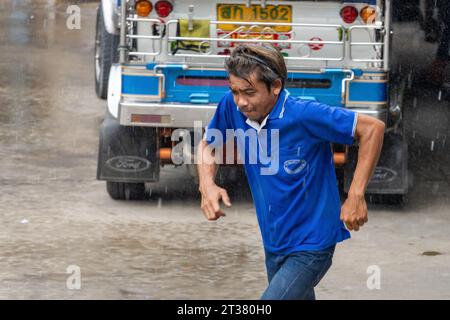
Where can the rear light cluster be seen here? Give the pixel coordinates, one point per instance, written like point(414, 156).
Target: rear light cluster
point(162, 8)
point(350, 13)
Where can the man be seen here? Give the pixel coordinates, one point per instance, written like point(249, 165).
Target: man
point(297, 205)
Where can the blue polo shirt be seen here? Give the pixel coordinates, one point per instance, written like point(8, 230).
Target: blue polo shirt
point(289, 165)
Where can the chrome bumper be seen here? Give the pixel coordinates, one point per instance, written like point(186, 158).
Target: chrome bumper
point(165, 114)
point(184, 115)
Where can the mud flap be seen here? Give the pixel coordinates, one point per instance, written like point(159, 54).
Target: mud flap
point(127, 154)
point(391, 173)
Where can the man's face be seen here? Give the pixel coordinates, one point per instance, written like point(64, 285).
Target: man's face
point(252, 97)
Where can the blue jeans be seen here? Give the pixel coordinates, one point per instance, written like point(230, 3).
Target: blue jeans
point(294, 276)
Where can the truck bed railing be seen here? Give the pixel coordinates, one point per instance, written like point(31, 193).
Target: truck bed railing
point(346, 45)
point(159, 37)
point(379, 46)
point(260, 39)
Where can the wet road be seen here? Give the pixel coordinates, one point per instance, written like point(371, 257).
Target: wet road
point(54, 214)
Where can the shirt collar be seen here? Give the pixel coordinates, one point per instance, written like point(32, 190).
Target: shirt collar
point(255, 124)
point(277, 112)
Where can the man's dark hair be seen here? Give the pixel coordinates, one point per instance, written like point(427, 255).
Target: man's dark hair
point(264, 58)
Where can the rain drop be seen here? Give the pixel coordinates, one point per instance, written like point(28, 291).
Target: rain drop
point(159, 203)
point(432, 145)
point(410, 80)
point(440, 95)
point(435, 11)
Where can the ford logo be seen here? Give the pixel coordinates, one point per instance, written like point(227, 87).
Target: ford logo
point(383, 174)
point(128, 164)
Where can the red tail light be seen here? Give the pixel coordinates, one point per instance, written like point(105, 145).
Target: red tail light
point(349, 14)
point(163, 8)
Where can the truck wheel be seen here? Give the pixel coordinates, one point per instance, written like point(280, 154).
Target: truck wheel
point(387, 199)
point(125, 191)
point(393, 199)
point(106, 54)
point(227, 175)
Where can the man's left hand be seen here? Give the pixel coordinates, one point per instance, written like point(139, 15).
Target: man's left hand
point(354, 212)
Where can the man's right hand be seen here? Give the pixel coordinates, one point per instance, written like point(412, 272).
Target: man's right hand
point(211, 196)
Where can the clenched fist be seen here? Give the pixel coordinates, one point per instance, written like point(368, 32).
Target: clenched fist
point(354, 212)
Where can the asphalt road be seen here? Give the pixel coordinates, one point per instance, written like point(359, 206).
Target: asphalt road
point(57, 221)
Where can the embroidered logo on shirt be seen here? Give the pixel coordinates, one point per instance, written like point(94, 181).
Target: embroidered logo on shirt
point(294, 166)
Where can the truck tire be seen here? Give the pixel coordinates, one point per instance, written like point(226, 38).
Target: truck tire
point(383, 199)
point(125, 191)
point(391, 199)
point(227, 175)
point(106, 54)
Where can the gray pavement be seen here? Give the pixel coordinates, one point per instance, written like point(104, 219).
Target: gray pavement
point(55, 216)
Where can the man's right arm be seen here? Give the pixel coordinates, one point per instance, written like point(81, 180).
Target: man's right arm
point(211, 193)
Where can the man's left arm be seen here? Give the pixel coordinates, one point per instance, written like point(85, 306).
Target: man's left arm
point(370, 133)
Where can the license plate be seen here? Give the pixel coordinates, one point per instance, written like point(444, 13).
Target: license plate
point(254, 13)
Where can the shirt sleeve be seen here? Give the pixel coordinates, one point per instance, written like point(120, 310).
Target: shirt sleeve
point(215, 132)
point(328, 123)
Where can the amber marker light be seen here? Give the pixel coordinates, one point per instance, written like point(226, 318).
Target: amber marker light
point(143, 8)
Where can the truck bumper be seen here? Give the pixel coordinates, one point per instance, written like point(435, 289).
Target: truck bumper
point(148, 114)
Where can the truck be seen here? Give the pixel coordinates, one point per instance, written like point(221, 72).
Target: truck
point(160, 66)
